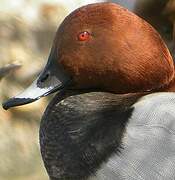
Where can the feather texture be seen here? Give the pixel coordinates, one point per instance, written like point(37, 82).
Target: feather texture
point(148, 145)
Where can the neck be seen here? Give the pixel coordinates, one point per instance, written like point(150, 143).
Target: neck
point(170, 87)
point(83, 131)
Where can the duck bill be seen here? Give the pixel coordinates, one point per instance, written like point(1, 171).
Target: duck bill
point(52, 79)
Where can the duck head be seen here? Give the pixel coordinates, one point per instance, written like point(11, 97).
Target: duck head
point(102, 46)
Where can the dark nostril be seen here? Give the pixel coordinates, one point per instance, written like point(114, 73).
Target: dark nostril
point(44, 77)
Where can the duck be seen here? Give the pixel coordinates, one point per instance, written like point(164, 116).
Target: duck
point(113, 115)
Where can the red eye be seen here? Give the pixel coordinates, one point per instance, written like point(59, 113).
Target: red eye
point(84, 36)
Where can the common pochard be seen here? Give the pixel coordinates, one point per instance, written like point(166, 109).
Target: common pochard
point(114, 115)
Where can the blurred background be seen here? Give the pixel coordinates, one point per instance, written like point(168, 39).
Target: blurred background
point(27, 28)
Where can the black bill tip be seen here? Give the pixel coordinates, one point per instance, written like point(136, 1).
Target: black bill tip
point(16, 102)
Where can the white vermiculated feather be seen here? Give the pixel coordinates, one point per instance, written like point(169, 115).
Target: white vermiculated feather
point(149, 143)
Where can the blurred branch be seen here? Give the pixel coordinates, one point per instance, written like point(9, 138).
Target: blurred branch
point(7, 69)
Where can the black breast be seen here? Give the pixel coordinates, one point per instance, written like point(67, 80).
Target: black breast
point(80, 132)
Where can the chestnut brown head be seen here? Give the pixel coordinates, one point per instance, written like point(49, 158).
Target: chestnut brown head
point(104, 46)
